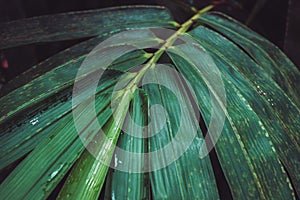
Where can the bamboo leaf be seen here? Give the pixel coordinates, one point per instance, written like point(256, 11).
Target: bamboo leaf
point(248, 131)
point(33, 126)
point(52, 158)
point(88, 175)
point(267, 55)
point(124, 184)
point(189, 176)
point(81, 24)
point(223, 71)
point(58, 79)
point(281, 133)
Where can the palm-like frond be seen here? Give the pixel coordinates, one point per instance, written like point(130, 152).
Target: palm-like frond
point(258, 148)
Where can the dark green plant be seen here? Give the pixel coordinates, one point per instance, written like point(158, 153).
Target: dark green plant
point(258, 148)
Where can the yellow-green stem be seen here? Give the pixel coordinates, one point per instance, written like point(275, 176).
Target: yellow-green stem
point(169, 42)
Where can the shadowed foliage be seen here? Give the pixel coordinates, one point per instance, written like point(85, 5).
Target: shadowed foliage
point(258, 149)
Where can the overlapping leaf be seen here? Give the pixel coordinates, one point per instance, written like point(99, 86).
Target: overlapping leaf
point(258, 148)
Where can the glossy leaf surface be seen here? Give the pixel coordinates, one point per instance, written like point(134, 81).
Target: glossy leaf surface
point(220, 71)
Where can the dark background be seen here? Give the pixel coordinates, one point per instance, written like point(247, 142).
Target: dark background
point(277, 20)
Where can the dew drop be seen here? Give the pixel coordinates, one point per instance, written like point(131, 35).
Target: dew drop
point(53, 174)
point(113, 196)
point(260, 92)
point(34, 121)
point(196, 144)
point(116, 160)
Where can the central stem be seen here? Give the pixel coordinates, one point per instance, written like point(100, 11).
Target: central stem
point(133, 84)
point(169, 42)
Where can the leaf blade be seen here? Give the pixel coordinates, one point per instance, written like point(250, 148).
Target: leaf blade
point(81, 24)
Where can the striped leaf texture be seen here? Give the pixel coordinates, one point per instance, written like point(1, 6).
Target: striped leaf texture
point(182, 104)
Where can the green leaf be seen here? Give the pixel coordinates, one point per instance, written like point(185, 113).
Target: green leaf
point(58, 79)
point(81, 24)
point(222, 71)
point(88, 175)
point(31, 129)
point(245, 76)
point(37, 91)
point(188, 176)
point(52, 158)
point(66, 72)
point(124, 184)
point(267, 55)
point(248, 131)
